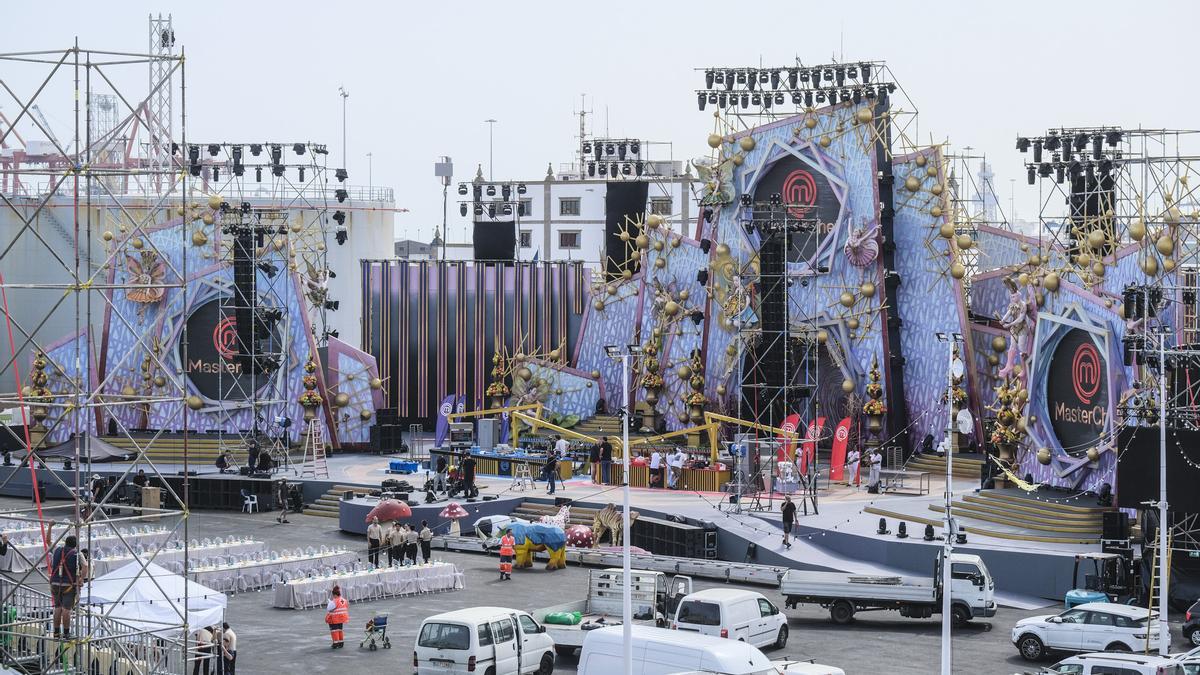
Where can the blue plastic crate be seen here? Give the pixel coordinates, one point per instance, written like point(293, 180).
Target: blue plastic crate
point(403, 466)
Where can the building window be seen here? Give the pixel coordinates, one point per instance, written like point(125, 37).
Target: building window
point(526, 208)
point(526, 238)
point(660, 206)
point(568, 206)
point(569, 239)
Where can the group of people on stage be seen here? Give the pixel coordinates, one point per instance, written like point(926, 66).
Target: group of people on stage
point(853, 468)
point(400, 542)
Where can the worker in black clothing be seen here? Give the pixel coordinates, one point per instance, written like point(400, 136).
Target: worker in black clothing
point(468, 472)
point(606, 454)
point(440, 469)
point(789, 518)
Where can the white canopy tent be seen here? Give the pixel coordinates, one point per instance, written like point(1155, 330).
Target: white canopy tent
point(153, 599)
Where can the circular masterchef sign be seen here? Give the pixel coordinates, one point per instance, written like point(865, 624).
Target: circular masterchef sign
point(808, 196)
point(211, 361)
point(1077, 392)
point(842, 433)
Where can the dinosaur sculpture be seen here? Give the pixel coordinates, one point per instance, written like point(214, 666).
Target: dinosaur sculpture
point(535, 537)
point(608, 519)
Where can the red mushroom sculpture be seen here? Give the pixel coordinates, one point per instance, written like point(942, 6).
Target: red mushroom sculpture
point(453, 512)
point(390, 509)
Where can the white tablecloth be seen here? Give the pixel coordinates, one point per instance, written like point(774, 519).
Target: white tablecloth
point(250, 575)
point(34, 551)
point(380, 583)
point(172, 558)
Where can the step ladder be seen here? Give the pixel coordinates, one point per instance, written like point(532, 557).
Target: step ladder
point(314, 463)
point(1157, 585)
point(521, 474)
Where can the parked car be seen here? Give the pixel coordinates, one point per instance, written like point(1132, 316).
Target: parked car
point(483, 639)
point(1090, 627)
point(1191, 624)
point(734, 614)
point(1108, 663)
point(659, 651)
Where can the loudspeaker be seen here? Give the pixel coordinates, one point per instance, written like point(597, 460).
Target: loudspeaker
point(348, 494)
point(1116, 525)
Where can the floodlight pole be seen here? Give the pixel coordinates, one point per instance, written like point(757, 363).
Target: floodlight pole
point(491, 129)
point(947, 523)
point(1164, 636)
point(345, 95)
point(627, 592)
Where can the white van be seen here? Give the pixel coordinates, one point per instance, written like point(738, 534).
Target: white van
point(735, 614)
point(486, 640)
point(1108, 663)
point(659, 651)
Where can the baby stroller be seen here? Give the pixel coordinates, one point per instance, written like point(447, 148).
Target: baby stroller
point(376, 633)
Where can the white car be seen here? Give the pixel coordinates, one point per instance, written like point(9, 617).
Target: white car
point(1117, 664)
point(1090, 627)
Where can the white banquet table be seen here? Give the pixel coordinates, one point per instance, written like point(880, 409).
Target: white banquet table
point(368, 584)
point(257, 574)
point(169, 557)
point(33, 551)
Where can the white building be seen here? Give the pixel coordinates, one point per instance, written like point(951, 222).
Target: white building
point(562, 215)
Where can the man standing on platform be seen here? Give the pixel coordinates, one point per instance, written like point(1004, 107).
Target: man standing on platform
point(440, 468)
point(876, 462)
point(788, 511)
point(67, 568)
point(594, 462)
point(468, 471)
point(674, 467)
point(606, 458)
point(426, 535)
point(852, 460)
point(551, 470)
point(252, 454)
point(374, 537)
point(656, 468)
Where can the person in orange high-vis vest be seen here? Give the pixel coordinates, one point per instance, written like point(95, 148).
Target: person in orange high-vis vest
point(507, 550)
point(337, 615)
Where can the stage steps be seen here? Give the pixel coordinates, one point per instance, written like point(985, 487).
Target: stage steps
point(1022, 520)
point(964, 467)
point(579, 515)
point(326, 506)
point(984, 528)
point(605, 425)
point(202, 449)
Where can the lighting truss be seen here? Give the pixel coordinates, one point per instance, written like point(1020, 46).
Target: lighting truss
point(773, 91)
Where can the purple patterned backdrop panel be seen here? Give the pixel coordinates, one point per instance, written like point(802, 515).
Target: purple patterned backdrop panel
point(70, 368)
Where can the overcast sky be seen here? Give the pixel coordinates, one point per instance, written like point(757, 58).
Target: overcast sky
point(422, 76)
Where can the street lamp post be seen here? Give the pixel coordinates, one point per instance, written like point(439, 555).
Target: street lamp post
point(948, 522)
point(624, 354)
point(491, 129)
point(345, 95)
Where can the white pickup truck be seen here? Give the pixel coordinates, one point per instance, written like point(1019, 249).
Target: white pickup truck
point(654, 597)
point(971, 591)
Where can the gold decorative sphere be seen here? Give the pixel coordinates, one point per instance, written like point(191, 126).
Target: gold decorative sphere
point(993, 360)
point(137, 242)
point(1168, 264)
point(824, 142)
point(810, 122)
point(160, 381)
point(1098, 269)
point(214, 202)
point(965, 242)
point(739, 159)
point(295, 228)
point(1023, 278)
point(822, 336)
point(847, 386)
point(1051, 281)
point(675, 242)
point(657, 245)
point(846, 298)
point(1043, 456)
point(1137, 230)
point(195, 402)
point(957, 270)
point(107, 236)
point(1165, 245)
point(936, 211)
point(1096, 238)
point(684, 294)
point(684, 372)
point(624, 236)
point(642, 241)
point(999, 344)
point(1108, 303)
point(660, 263)
point(864, 115)
point(610, 289)
point(671, 308)
point(722, 250)
point(746, 143)
point(376, 383)
point(931, 171)
point(626, 274)
point(1150, 266)
point(598, 305)
point(715, 140)
point(867, 289)
point(937, 189)
point(654, 220)
point(595, 374)
point(1093, 454)
point(341, 400)
point(946, 230)
point(199, 238)
point(364, 414)
point(524, 373)
point(208, 219)
point(852, 323)
point(1083, 259)
point(912, 184)
point(721, 390)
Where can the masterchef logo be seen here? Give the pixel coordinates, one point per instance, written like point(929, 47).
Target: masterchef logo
point(800, 191)
point(843, 433)
point(1085, 372)
point(225, 338)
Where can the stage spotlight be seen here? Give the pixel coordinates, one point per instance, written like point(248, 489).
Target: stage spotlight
point(869, 92)
point(701, 99)
point(1080, 141)
point(238, 167)
point(902, 531)
point(1097, 146)
point(1058, 173)
point(712, 98)
point(745, 100)
point(767, 100)
point(587, 147)
point(612, 169)
point(820, 96)
point(341, 235)
point(213, 149)
point(298, 148)
point(857, 96)
point(635, 148)
point(808, 99)
point(627, 169)
point(1023, 144)
point(747, 200)
point(1044, 169)
point(752, 80)
point(928, 532)
point(269, 364)
point(1106, 166)
point(603, 169)
point(723, 101)
point(1053, 142)
point(491, 190)
point(610, 149)
point(840, 75)
point(779, 98)
point(793, 76)
point(301, 174)
point(1090, 170)
point(719, 76)
point(462, 209)
point(1031, 174)
point(774, 79)
point(708, 214)
point(708, 79)
point(491, 210)
point(174, 148)
point(268, 268)
point(866, 72)
point(462, 188)
point(697, 317)
point(521, 209)
point(852, 72)
point(1037, 150)
point(621, 150)
point(477, 193)
point(216, 174)
point(276, 154)
point(341, 175)
point(591, 168)
point(271, 314)
point(339, 217)
point(729, 77)
point(258, 173)
point(804, 76)
point(891, 87)
point(521, 189)
point(507, 209)
point(1074, 168)
point(882, 527)
point(796, 98)
point(638, 167)
point(256, 149)
point(827, 74)
point(506, 191)
point(478, 209)
point(1113, 138)
point(756, 99)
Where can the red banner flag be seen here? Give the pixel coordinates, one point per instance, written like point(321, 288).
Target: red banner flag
point(837, 463)
point(786, 448)
point(808, 451)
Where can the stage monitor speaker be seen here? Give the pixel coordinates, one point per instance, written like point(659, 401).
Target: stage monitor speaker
point(348, 494)
point(1116, 525)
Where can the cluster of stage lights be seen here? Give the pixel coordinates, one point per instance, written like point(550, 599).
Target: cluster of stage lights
point(764, 87)
point(613, 157)
point(1072, 153)
point(505, 205)
point(238, 166)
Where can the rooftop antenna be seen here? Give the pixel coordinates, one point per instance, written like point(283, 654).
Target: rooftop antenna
point(583, 113)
